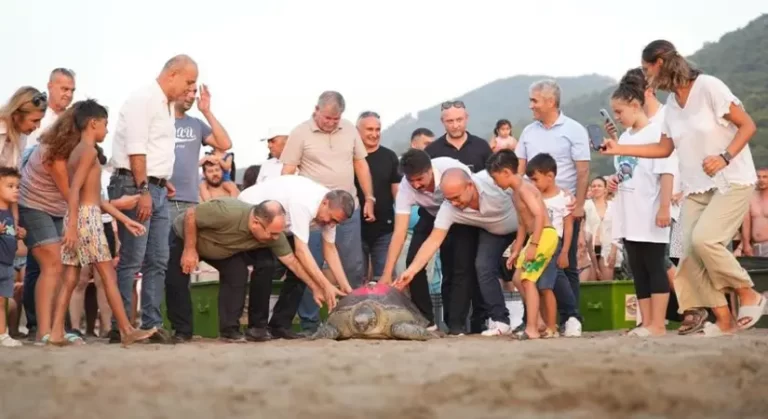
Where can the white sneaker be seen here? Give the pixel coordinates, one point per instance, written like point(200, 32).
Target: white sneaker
point(432, 328)
point(572, 328)
point(497, 329)
point(6, 341)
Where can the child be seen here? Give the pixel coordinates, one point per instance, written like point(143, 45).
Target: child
point(533, 261)
point(642, 209)
point(84, 241)
point(9, 195)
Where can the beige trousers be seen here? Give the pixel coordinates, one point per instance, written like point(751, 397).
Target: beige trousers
point(707, 268)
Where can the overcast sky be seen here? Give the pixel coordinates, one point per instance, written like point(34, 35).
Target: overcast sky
point(266, 61)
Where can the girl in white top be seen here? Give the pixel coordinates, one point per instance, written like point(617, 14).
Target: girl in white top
point(19, 117)
point(604, 252)
point(502, 136)
point(643, 205)
point(707, 123)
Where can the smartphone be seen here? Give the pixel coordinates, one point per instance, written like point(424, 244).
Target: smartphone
point(595, 133)
point(608, 120)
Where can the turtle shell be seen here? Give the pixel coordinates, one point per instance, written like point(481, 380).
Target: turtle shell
point(383, 295)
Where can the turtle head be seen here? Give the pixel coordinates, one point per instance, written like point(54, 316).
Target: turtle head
point(364, 318)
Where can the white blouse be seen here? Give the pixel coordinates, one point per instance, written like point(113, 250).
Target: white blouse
point(699, 130)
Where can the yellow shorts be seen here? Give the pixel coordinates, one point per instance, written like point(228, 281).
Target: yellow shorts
point(532, 270)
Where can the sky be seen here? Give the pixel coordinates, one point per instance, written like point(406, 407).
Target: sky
point(266, 61)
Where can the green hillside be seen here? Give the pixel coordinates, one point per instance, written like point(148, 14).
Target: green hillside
point(739, 58)
point(504, 98)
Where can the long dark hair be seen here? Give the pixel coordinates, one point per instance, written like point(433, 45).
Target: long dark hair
point(499, 124)
point(675, 71)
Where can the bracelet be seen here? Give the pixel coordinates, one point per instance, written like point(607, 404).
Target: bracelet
point(535, 243)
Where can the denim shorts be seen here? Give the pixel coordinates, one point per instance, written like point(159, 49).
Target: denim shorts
point(549, 276)
point(7, 277)
point(19, 262)
point(41, 227)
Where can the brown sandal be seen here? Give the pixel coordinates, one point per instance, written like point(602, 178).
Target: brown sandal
point(693, 321)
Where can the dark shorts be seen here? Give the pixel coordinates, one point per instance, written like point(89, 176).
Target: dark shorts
point(549, 276)
point(42, 228)
point(19, 262)
point(111, 242)
point(7, 278)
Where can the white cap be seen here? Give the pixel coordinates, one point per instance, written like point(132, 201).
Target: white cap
point(273, 132)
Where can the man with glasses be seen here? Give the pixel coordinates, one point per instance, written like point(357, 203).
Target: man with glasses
point(460, 245)
point(383, 163)
point(308, 206)
point(328, 150)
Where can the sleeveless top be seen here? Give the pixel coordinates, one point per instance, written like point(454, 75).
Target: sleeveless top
point(38, 190)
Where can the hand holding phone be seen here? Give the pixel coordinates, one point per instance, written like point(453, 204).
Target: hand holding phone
point(610, 127)
point(595, 136)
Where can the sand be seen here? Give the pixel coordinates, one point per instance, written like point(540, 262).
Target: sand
point(599, 375)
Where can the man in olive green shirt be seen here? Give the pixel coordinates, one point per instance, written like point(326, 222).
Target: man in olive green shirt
point(223, 232)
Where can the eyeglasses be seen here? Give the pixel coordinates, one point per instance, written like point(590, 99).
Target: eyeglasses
point(452, 104)
point(40, 100)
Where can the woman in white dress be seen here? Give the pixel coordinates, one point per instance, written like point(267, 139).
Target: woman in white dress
point(708, 124)
point(605, 253)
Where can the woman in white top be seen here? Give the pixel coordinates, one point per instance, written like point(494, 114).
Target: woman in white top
point(706, 122)
point(604, 252)
point(502, 136)
point(18, 118)
point(643, 205)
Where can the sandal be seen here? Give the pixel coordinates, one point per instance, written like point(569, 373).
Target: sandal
point(524, 336)
point(693, 321)
point(550, 334)
point(639, 332)
point(711, 330)
point(753, 313)
point(69, 339)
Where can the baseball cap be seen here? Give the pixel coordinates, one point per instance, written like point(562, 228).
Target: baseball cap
point(273, 132)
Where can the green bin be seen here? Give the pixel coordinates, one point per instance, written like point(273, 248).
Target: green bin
point(608, 305)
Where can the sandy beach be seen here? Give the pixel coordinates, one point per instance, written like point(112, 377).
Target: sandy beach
point(599, 375)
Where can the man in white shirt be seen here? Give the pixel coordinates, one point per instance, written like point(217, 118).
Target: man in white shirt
point(308, 205)
point(276, 138)
point(61, 90)
point(420, 186)
point(474, 200)
point(143, 158)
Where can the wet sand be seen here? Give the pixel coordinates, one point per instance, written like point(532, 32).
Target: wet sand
point(599, 375)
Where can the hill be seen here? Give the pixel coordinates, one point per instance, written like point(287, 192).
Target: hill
point(504, 98)
point(739, 58)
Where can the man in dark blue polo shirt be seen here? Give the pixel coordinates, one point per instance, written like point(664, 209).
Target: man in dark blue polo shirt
point(458, 251)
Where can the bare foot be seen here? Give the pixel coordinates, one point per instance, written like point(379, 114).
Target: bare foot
point(726, 326)
point(136, 335)
point(530, 334)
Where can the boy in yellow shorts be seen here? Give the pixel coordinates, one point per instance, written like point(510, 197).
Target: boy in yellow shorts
point(533, 261)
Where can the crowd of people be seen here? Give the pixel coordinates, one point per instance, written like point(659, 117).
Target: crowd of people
point(332, 209)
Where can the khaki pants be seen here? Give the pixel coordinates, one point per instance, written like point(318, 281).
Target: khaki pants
point(707, 268)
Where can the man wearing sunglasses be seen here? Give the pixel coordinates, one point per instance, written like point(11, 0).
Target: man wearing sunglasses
point(460, 246)
point(309, 206)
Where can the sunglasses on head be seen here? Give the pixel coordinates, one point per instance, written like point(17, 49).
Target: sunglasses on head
point(40, 100)
point(452, 104)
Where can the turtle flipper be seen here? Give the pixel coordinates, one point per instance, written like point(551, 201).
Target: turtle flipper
point(325, 331)
point(410, 331)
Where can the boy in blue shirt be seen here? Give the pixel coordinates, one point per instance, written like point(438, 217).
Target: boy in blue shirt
point(9, 196)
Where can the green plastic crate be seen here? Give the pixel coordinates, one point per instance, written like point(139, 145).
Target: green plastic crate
point(205, 309)
point(609, 305)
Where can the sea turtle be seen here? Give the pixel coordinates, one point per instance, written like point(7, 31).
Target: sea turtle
point(375, 311)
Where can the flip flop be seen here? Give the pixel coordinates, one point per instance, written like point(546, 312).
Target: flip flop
point(550, 334)
point(699, 315)
point(524, 336)
point(639, 332)
point(69, 339)
point(711, 330)
point(754, 313)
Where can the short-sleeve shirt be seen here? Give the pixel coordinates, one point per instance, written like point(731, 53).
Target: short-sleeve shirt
point(700, 130)
point(557, 208)
point(408, 197)
point(191, 134)
point(496, 215)
point(222, 230)
point(8, 241)
point(566, 141)
point(326, 158)
point(639, 193)
point(384, 167)
point(473, 153)
point(300, 197)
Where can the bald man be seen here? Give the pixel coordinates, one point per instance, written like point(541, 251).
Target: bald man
point(143, 157)
point(473, 200)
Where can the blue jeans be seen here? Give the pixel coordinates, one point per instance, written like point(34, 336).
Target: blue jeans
point(568, 296)
point(147, 254)
point(376, 249)
point(349, 246)
point(490, 248)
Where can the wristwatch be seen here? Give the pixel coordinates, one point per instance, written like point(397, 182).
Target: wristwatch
point(727, 157)
point(143, 188)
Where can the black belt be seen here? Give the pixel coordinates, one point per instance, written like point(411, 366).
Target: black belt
point(150, 179)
